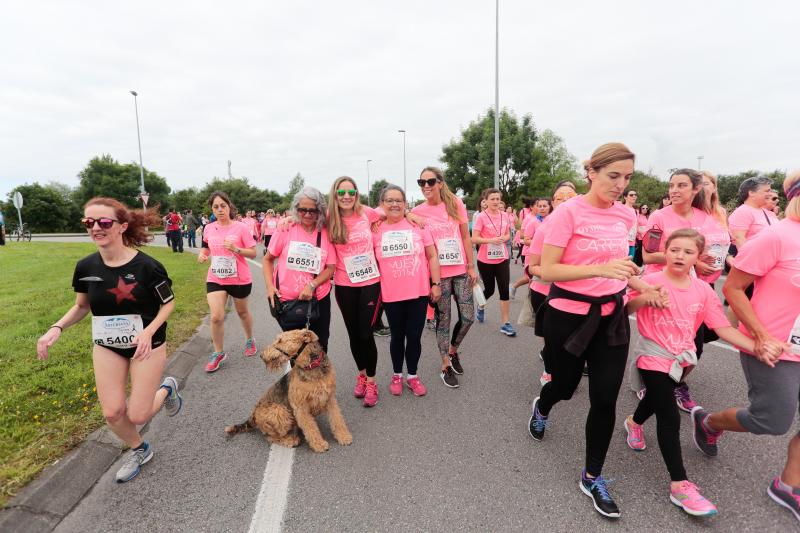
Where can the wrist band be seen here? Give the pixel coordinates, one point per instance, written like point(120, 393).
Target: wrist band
point(56, 326)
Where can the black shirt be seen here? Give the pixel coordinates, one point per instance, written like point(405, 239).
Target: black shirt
point(123, 290)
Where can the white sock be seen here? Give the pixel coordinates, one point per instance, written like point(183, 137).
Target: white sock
point(410, 376)
point(400, 375)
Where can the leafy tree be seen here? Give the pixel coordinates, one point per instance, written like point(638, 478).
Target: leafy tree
point(188, 199)
point(375, 191)
point(244, 195)
point(728, 186)
point(649, 188)
point(295, 185)
point(44, 209)
point(557, 164)
point(105, 176)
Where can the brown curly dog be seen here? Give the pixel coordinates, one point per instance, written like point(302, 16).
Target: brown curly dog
point(308, 390)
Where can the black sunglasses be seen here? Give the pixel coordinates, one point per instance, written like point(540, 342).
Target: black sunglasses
point(429, 182)
point(103, 222)
point(307, 211)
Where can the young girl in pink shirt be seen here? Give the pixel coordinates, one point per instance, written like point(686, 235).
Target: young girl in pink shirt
point(666, 352)
point(410, 277)
point(227, 244)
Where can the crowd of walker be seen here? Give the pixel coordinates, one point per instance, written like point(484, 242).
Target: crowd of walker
point(583, 257)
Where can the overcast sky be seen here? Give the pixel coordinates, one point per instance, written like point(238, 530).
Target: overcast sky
point(320, 87)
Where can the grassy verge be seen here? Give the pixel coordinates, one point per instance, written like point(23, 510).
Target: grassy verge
point(48, 407)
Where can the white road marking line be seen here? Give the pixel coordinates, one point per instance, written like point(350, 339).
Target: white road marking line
point(274, 493)
point(271, 501)
point(718, 344)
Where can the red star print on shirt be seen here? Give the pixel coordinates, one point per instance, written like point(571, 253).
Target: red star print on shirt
point(123, 291)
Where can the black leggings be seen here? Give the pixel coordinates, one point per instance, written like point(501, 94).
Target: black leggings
point(704, 335)
point(606, 369)
point(539, 307)
point(322, 326)
point(491, 271)
point(659, 399)
point(406, 321)
point(360, 307)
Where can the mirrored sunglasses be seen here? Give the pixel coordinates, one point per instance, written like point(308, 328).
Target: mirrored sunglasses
point(103, 222)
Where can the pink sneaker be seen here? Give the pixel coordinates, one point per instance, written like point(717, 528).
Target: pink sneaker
point(635, 433)
point(361, 386)
point(396, 386)
point(416, 387)
point(250, 347)
point(687, 496)
point(371, 395)
point(545, 378)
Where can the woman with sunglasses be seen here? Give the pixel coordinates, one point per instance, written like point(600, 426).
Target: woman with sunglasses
point(491, 231)
point(630, 201)
point(445, 215)
point(227, 243)
point(130, 297)
point(409, 268)
point(641, 226)
point(356, 280)
point(306, 260)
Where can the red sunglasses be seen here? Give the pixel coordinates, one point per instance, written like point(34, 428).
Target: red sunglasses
point(103, 222)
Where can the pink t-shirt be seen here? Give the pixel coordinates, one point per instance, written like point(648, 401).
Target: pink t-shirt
point(406, 276)
point(357, 253)
point(750, 219)
point(446, 234)
point(489, 226)
point(674, 328)
point(590, 236)
point(291, 247)
point(773, 256)
point(529, 227)
point(269, 225)
point(641, 221)
point(668, 221)
point(252, 225)
point(633, 230)
point(772, 217)
point(718, 242)
point(230, 268)
point(535, 248)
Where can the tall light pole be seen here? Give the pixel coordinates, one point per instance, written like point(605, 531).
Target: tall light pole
point(497, 94)
point(142, 192)
point(699, 159)
point(368, 189)
point(404, 158)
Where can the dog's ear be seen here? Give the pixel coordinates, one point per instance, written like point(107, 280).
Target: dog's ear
point(274, 359)
point(309, 336)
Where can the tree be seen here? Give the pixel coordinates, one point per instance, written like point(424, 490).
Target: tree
point(243, 195)
point(104, 176)
point(530, 163)
point(44, 209)
point(649, 188)
point(188, 199)
point(295, 185)
point(375, 192)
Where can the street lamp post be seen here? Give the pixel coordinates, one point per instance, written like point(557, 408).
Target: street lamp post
point(368, 189)
point(699, 159)
point(142, 192)
point(497, 94)
point(404, 158)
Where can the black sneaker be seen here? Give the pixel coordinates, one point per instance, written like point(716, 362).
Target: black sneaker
point(455, 364)
point(537, 423)
point(382, 332)
point(704, 440)
point(596, 489)
point(449, 377)
point(585, 369)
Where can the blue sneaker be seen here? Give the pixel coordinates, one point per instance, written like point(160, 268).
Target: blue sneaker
point(596, 489)
point(508, 329)
point(133, 463)
point(174, 401)
point(479, 314)
point(537, 423)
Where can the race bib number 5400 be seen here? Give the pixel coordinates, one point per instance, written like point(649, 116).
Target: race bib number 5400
point(116, 331)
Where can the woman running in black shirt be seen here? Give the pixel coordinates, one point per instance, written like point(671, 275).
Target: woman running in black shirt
point(130, 298)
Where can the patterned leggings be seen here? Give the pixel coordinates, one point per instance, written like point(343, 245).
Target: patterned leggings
point(457, 287)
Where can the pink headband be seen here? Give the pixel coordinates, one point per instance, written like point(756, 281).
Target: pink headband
point(793, 191)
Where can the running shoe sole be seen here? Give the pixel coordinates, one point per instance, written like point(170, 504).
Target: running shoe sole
point(173, 383)
point(777, 499)
point(596, 508)
point(509, 333)
point(136, 472)
point(677, 502)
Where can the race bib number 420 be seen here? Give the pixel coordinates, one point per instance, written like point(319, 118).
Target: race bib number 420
point(304, 257)
point(116, 331)
point(397, 243)
point(496, 251)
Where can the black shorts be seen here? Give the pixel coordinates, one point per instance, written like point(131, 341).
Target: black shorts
point(237, 291)
point(127, 353)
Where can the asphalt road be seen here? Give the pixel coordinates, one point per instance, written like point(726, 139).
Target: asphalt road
point(457, 459)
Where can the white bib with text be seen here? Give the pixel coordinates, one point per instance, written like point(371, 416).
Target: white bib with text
point(397, 243)
point(223, 266)
point(361, 267)
point(794, 337)
point(449, 252)
point(495, 251)
point(304, 257)
point(116, 331)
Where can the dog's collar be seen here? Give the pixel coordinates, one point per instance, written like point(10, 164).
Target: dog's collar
point(315, 362)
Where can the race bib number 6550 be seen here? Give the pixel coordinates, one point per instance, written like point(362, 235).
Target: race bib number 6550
point(397, 243)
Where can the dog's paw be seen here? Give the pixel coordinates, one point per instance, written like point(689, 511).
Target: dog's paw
point(345, 440)
point(319, 447)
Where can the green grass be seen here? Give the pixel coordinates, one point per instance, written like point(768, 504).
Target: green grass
point(49, 407)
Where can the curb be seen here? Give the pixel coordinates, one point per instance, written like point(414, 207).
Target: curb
point(44, 502)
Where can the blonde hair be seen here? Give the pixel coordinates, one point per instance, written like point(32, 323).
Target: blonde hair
point(450, 200)
point(337, 230)
point(792, 181)
point(605, 155)
point(713, 207)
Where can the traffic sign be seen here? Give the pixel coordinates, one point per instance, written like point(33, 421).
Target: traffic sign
point(18, 200)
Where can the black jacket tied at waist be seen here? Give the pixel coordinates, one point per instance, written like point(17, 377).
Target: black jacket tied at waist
point(619, 330)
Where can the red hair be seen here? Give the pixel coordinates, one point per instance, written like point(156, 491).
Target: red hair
point(138, 219)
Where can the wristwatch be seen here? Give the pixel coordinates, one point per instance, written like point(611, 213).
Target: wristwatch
point(435, 283)
point(313, 285)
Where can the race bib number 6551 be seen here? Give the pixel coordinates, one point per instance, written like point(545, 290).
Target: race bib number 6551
point(304, 257)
